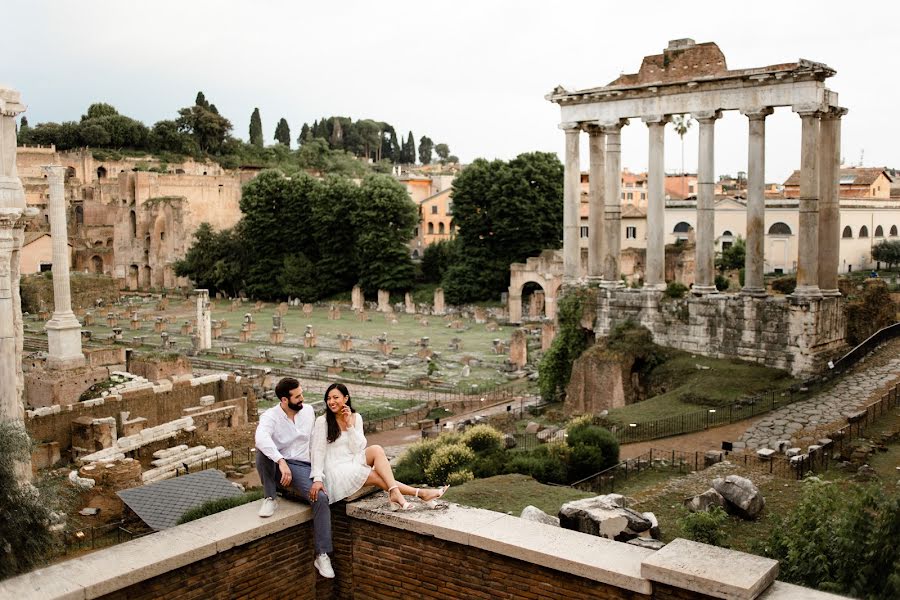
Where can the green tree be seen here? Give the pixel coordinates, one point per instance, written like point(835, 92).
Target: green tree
point(305, 135)
point(436, 258)
point(200, 100)
point(384, 222)
point(505, 212)
point(25, 515)
point(99, 109)
point(23, 122)
point(682, 123)
point(209, 129)
point(165, 136)
point(283, 133)
point(256, 129)
point(443, 152)
point(841, 538)
point(215, 259)
point(408, 153)
point(425, 148)
point(887, 252)
point(733, 256)
point(338, 263)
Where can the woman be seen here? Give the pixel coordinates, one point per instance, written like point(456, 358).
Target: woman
point(339, 454)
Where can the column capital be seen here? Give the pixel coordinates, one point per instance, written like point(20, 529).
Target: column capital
point(570, 127)
point(592, 128)
point(835, 112)
point(53, 170)
point(10, 103)
point(707, 115)
point(614, 126)
point(757, 114)
point(809, 110)
point(656, 119)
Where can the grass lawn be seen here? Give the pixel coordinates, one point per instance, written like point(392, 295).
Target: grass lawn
point(511, 493)
point(687, 388)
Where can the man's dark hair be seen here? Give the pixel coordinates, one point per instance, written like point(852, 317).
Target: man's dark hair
point(283, 388)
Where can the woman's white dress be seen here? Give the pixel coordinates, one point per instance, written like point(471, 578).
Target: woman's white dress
point(342, 463)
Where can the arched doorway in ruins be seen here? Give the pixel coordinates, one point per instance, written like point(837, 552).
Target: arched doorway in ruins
point(541, 274)
point(146, 277)
point(133, 277)
point(533, 301)
point(96, 265)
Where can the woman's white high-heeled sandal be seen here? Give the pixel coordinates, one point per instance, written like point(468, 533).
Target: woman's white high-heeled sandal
point(395, 506)
point(433, 502)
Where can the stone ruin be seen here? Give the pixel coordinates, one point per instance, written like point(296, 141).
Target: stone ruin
point(334, 313)
point(309, 337)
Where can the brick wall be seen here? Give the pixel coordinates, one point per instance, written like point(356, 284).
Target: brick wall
point(156, 407)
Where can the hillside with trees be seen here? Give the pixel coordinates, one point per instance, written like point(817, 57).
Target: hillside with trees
point(336, 145)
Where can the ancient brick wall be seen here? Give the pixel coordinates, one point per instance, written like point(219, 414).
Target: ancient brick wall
point(156, 407)
point(770, 331)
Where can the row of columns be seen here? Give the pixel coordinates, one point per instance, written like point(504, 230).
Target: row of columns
point(817, 263)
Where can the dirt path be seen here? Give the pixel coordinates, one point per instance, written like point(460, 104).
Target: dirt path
point(699, 441)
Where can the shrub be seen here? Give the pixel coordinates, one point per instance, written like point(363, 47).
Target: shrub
point(842, 539)
point(460, 477)
point(483, 438)
point(592, 449)
point(869, 312)
point(411, 466)
point(215, 506)
point(538, 464)
point(785, 285)
point(447, 459)
point(490, 464)
point(722, 283)
point(675, 289)
point(25, 537)
point(705, 526)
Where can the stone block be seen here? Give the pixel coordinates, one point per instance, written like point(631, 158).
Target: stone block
point(701, 568)
point(765, 453)
point(792, 452)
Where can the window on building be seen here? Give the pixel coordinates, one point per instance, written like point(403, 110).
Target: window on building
point(863, 232)
point(779, 228)
point(848, 233)
point(631, 233)
point(434, 209)
point(643, 195)
point(584, 231)
point(45, 267)
point(691, 188)
point(682, 227)
point(431, 228)
point(879, 231)
point(629, 196)
point(893, 231)
point(449, 208)
point(440, 228)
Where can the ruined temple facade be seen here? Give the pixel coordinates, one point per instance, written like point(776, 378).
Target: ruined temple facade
point(127, 221)
point(797, 334)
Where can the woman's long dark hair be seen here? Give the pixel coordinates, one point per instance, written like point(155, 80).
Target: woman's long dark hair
point(334, 430)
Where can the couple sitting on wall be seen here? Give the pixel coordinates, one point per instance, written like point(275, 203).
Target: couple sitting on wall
point(324, 459)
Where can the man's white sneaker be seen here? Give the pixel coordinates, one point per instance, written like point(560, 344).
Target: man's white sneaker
point(268, 507)
point(323, 566)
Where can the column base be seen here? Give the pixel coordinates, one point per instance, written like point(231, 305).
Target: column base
point(612, 285)
point(806, 292)
point(64, 342)
point(654, 287)
point(704, 290)
point(831, 293)
point(65, 363)
point(755, 292)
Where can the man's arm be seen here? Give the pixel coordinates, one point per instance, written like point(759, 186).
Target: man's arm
point(264, 441)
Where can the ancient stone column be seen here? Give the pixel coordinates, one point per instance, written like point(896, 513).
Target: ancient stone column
point(829, 200)
point(597, 146)
point(13, 214)
point(438, 301)
point(356, 298)
point(204, 320)
point(808, 240)
point(514, 305)
point(612, 205)
point(571, 202)
point(754, 285)
point(384, 301)
point(63, 329)
point(655, 272)
point(409, 305)
point(518, 348)
point(704, 282)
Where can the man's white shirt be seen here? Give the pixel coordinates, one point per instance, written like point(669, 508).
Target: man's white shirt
point(278, 437)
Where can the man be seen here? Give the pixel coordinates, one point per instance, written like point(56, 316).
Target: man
point(282, 443)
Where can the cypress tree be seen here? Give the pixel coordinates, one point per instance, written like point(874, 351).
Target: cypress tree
point(256, 130)
point(201, 100)
point(283, 133)
point(305, 135)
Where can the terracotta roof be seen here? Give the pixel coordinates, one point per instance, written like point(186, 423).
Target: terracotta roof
point(863, 176)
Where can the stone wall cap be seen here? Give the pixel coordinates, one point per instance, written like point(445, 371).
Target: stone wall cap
point(120, 566)
point(788, 591)
point(710, 570)
point(586, 556)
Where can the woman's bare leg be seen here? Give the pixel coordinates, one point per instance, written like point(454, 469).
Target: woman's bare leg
point(383, 477)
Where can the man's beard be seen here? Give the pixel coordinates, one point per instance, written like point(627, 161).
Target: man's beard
point(295, 407)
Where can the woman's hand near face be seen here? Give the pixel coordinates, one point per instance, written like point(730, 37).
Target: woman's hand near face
point(347, 416)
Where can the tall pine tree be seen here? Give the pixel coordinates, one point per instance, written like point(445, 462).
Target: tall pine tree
point(201, 100)
point(425, 148)
point(256, 130)
point(283, 133)
point(409, 150)
point(305, 135)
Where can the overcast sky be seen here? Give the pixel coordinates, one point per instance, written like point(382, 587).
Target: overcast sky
point(472, 74)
